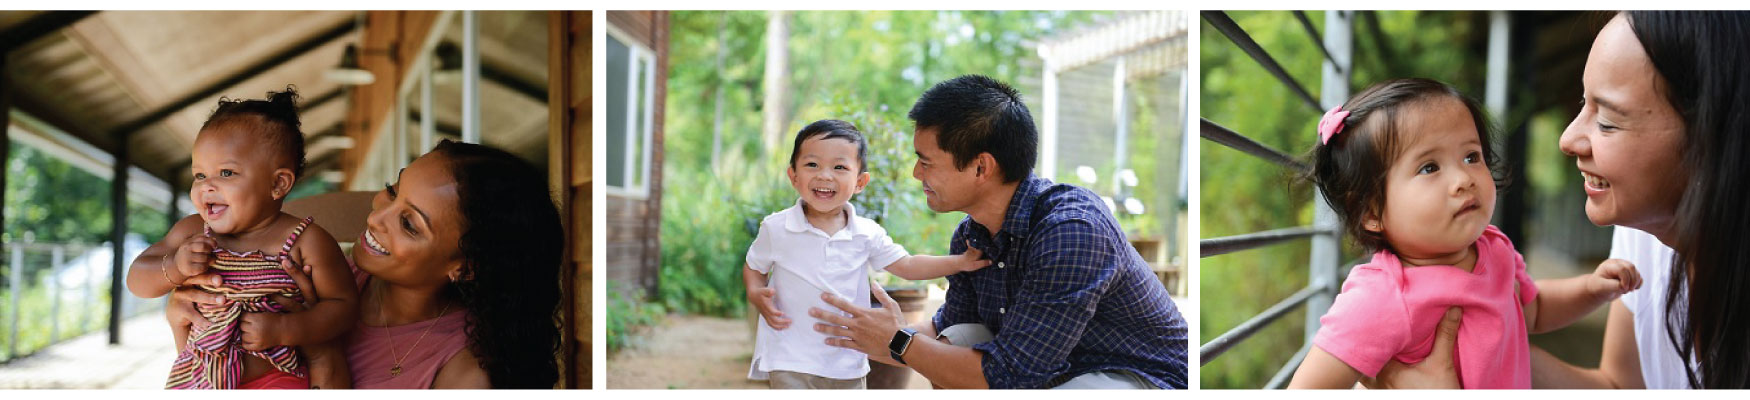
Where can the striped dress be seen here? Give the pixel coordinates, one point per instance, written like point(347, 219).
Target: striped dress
point(213, 357)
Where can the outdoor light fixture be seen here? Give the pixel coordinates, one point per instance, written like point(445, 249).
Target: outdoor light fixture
point(449, 63)
point(349, 73)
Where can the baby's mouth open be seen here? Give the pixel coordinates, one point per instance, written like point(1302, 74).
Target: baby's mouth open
point(214, 210)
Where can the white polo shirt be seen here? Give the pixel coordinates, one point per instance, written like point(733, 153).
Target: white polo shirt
point(802, 262)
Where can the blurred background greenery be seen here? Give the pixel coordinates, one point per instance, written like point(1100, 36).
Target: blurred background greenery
point(1242, 194)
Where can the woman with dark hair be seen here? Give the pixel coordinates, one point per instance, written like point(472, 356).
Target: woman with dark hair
point(1661, 142)
point(458, 272)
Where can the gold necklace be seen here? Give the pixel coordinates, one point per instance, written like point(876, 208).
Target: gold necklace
point(396, 370)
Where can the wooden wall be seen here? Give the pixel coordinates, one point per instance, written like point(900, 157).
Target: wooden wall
point(633, 224)
point(569, 147)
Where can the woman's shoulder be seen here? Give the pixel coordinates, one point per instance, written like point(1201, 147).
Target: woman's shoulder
point(462, 371)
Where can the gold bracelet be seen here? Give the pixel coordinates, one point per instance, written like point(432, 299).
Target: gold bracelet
point(164, 267)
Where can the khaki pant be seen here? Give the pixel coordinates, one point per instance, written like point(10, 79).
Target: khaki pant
point(798, 380)
point(967, 335)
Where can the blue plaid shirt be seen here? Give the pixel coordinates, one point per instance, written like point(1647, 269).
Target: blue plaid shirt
point(1067, 295)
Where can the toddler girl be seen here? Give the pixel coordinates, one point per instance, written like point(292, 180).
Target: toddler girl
point(246, 158)
point(1406, 165)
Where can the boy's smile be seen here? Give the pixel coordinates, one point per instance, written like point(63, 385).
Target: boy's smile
point(826, 174)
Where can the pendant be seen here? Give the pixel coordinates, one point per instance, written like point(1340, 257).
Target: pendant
point(395, 371)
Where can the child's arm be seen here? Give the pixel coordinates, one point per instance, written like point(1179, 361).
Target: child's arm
point(184, 252)
point(1322, 370)
point(1562, 301)
point(919, 268)
point(762, 298)
point(333, 308)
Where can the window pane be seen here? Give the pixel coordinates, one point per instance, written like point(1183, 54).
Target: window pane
point(642, 102)
point(617, 97)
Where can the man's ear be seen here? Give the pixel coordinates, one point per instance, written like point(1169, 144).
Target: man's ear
point(987, 166)
point(283, 179)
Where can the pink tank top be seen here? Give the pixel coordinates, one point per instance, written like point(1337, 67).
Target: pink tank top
point(1388, 311)
point(371, 356)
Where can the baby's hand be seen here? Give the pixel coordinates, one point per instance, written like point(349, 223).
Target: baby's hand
point(971, 260)
point(1613, 278)
point(762, 299)
point(195, 255)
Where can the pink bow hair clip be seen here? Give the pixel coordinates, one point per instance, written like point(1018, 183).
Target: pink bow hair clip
point(1331, 124)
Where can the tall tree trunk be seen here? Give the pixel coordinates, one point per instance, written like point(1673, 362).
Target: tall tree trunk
point(722, 85)
point(777, 85)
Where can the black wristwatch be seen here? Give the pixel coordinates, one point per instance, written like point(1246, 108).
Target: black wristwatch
point(901, 342)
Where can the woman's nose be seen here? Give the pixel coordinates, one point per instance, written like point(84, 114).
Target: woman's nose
point(1574, 142)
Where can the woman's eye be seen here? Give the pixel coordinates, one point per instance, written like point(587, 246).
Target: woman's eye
point(226, 173)
point(1427, 169)
point(407, 224)
point(1603, 127)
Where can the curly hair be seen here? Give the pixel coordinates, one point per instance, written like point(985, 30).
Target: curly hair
point(512, 245)
point(275, 117)
point(1350, 170)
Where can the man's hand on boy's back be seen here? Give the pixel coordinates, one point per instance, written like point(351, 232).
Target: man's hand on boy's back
point(764, 300)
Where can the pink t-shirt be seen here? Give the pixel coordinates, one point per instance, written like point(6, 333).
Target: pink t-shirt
point(1388, 311)
point(371, 351)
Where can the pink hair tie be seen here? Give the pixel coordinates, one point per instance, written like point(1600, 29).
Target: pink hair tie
point(1331, 124)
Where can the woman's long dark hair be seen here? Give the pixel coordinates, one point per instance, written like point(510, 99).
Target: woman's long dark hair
point(512, 245)
point(1707, 76)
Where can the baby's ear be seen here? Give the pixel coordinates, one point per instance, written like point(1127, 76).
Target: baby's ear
point(283, 179)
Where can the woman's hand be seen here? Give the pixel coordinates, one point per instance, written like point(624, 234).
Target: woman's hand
point(181, 311)
point(867, 330)
point(1438, 371)
point(262, 331)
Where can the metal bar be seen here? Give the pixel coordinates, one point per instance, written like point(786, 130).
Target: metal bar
point(118, 233)
point(1317, 39)
point(1287, 372)
point(1227, 137)
point(471, 78)
point(1232, 30)
point(1386, 56)
point(1323, 270)
point(331, 34)
point(15, 273)
point(492, 73)
point(39, 26)
point(57, 256)
point(1228, 244)
point(1239, 333)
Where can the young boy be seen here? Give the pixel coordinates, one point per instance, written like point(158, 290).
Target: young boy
point(820, 245)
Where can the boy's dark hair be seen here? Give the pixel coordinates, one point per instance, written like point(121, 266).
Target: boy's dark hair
point(976, 114)
point(1350, 170)
point(276, 118)
point(833, 129)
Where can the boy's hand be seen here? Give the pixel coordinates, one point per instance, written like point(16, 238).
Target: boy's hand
point(972, 259)
point(195, 255)
point(1613, 278)
point(763, 299)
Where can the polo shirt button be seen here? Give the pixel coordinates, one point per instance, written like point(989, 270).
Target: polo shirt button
point(1002, 310)
point(999, 264)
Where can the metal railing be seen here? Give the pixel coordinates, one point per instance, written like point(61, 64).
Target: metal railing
point(57, 291)
point(1321, 289)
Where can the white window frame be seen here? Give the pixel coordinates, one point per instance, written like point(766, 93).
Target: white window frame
point(636, 188)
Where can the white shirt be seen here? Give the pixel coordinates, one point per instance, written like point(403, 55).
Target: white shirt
point(1661, 366)
point(802, 262)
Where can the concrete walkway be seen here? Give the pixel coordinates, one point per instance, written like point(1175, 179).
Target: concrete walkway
point(142, 361)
